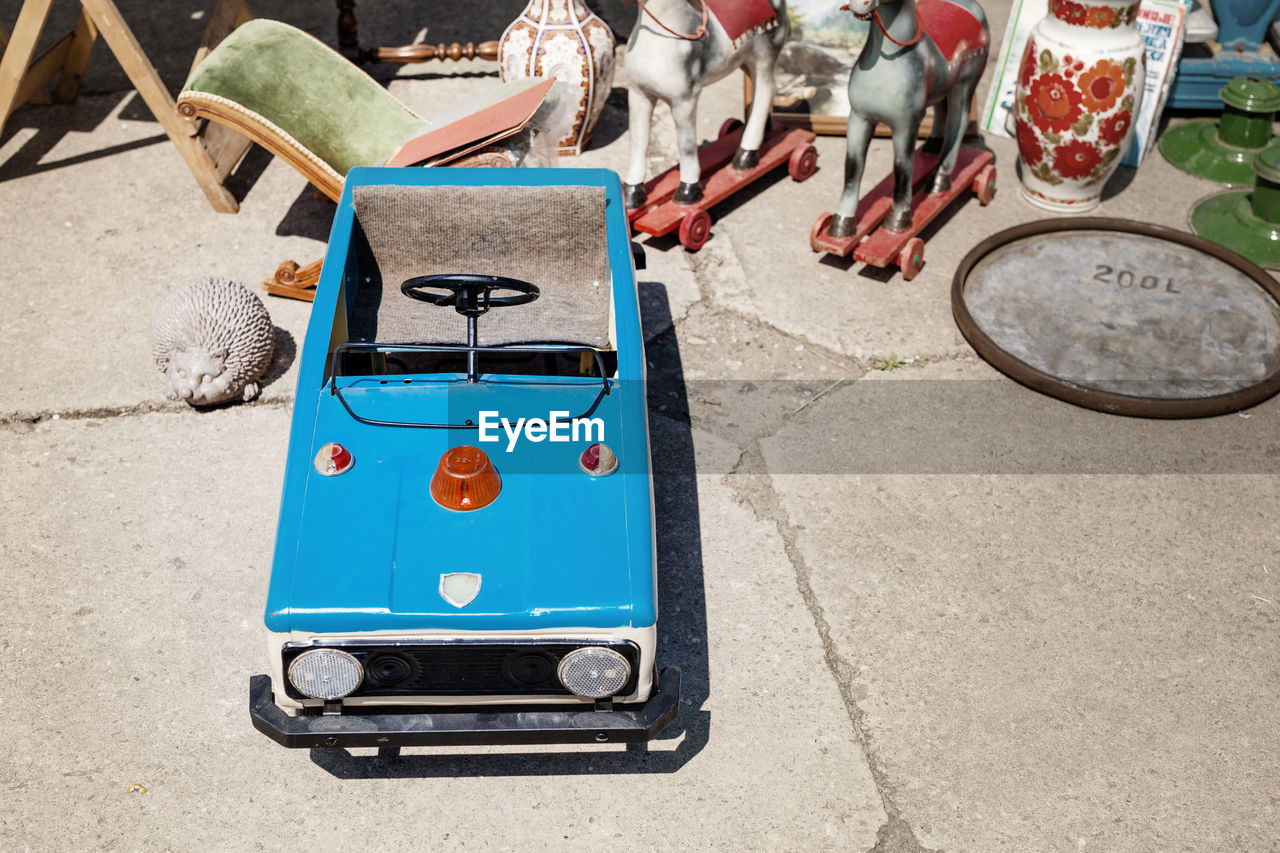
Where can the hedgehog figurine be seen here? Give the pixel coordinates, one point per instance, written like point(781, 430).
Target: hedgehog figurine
point(213, 340)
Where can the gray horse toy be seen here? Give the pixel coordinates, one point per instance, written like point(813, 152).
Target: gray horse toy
point(916, 55)
point(675, 49)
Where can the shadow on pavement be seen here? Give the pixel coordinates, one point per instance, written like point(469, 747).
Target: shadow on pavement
point(613, 120)
point(285, 353)
point(310, 215)
point(54, 122)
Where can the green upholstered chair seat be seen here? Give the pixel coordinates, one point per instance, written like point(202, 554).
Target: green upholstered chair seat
point(293, 81)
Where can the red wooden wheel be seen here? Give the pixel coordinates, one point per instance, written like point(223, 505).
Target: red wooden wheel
point(985, 184)
point(729, 126)
point(803, 162)
point(695, 228)
point(911, 258)
point(819, 228)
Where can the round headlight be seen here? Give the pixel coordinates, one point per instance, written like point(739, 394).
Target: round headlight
point(325, 673)
point(594, 671)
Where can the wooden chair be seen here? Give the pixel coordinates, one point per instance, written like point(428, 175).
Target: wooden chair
point(309, 106)
point(299, 99)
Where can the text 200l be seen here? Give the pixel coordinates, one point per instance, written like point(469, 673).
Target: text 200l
point(1127, 278)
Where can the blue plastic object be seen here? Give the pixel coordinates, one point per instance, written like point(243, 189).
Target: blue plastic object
point(1241, 51)
point(1202, 72)
point(1242, 24)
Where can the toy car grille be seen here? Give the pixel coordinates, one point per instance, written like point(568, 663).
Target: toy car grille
point(464, 669)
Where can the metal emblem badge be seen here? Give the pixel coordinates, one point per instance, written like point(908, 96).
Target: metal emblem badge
point(459, 588)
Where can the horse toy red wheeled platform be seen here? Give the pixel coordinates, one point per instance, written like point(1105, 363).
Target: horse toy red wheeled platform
point(671, 56)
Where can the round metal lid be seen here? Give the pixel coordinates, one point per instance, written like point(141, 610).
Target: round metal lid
point(1122, 317)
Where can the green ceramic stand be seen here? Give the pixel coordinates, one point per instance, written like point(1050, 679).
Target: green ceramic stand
point(1224, 150)
point(1245, 221)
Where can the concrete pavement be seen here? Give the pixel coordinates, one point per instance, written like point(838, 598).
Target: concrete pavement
point(917, 609)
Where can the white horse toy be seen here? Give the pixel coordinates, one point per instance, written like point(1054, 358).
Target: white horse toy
point(675, 49)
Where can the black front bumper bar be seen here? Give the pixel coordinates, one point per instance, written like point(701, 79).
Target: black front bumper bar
point(538, 724)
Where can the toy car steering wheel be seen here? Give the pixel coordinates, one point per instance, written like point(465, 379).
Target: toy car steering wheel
point(470, 295)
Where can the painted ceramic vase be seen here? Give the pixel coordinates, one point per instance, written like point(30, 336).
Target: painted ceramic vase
point(565, 40)
point(1078, 92)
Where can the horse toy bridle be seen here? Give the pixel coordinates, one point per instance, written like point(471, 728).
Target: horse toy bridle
point(699, 33)
point(875, 14)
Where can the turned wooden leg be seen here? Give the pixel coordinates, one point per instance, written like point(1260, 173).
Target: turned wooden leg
point(294, 281)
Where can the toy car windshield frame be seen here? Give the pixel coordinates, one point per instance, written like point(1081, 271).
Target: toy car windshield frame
point(334, 390)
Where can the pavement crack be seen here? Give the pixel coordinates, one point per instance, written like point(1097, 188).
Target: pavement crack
point(854, 366)
point(896, 836)
point(24, 421)
point(670, 322)
point(749, 479)
point(721, 261)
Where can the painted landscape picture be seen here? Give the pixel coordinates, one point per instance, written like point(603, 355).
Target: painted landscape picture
point(813, 70)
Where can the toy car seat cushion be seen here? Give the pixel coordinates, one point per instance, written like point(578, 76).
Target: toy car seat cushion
point(553, 237)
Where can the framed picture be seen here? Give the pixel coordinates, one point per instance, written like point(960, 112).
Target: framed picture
point(813, 69)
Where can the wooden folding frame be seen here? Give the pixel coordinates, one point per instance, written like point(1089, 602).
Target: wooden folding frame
point(210, 152)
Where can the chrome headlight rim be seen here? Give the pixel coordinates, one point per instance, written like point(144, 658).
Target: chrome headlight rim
point(584, 651)
point(311, 654)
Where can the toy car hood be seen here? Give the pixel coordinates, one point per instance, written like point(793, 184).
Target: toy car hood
point(557, 548)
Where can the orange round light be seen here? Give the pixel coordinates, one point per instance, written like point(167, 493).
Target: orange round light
point(465, 480)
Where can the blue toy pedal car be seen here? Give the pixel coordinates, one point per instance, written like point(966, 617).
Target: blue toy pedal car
point(465, 551)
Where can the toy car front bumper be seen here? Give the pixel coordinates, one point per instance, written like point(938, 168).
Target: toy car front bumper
point(539, 724)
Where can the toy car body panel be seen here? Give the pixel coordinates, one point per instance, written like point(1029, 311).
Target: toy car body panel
point(398, 618)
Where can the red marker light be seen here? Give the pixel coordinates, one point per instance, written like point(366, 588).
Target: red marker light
point(465, 480)
point(598, 460)
point(333, 459)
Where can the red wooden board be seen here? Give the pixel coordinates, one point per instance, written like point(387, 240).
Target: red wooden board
point(882, 247)
point(875, 206)
point(711, 156)
point(719, 179)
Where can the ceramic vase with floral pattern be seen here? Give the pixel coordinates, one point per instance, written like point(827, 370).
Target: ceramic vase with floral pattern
point(565, 40)
point(1078, 92)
